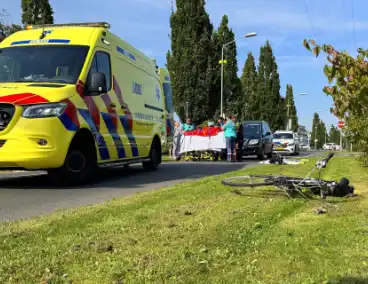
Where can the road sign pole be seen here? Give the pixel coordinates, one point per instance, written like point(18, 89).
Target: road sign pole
point(341, 125)
point(340, 139)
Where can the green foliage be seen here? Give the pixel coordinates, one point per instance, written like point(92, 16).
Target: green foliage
point(349, 90)
point(271, 107)
point(190, 59)
point(37, 12)
point(318, 132)
point(198, 232)
point(335, 134)
point(232, 85)
point(291, 109)
point(6, 30)
point(249, 104)
point(321, 134)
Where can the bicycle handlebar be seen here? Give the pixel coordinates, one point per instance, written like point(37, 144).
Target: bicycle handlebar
point(323, 163)
point(329, 157)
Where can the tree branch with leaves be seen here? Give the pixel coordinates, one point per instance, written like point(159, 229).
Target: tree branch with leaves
point(348, 86)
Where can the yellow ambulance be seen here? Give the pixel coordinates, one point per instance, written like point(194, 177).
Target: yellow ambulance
point(75, 97)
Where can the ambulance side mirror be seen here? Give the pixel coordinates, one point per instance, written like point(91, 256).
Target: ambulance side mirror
point(97, 84)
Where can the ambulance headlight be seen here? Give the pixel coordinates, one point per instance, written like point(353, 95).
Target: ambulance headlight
point(44, 110)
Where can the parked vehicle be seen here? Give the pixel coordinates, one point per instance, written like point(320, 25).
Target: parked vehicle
point(257, 139)
point(286, 142)
point(75, 97)
point(305, 147)
point(331, 146)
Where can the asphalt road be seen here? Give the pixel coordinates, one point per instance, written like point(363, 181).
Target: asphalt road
point(23, 196)
point(29, 194)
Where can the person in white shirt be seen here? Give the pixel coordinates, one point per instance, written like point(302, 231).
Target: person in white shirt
point(176, 141)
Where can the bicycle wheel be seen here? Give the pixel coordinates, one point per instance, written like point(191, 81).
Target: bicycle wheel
point(250, 181)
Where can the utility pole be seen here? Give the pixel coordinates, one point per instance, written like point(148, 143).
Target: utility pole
point(315, 137)
point(288, 114)
point(222, 62)
point(186, 109)
point(222, 80)
point(340, 139)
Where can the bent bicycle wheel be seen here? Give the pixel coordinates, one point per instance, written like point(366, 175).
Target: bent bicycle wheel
point(250, 181)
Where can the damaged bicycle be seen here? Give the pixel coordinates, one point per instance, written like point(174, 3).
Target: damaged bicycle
point(291, 185)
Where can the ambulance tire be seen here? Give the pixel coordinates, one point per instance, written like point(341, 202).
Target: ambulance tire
point(80, 164)
point(154, 156)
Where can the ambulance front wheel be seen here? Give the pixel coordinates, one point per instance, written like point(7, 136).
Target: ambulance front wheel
point(80, 163)
point(154, 156)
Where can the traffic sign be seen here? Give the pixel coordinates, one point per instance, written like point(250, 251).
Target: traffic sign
point(341, 124)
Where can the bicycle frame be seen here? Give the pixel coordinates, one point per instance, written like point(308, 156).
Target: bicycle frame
point(320, 165)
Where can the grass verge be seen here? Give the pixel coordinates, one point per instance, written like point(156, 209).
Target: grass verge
point(198, 232)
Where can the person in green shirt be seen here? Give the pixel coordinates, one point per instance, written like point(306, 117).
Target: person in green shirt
point(230, 136)
point(188, 126)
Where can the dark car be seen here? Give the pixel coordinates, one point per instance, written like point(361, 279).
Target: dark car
point(258, 138)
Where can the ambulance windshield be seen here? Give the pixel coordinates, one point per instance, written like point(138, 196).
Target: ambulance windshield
point(42, 63)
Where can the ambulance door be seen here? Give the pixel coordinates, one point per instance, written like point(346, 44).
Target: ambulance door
point(103, 109)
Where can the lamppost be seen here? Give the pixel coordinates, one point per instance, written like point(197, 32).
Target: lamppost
point(288, 126)
point(315, 138)
point(315, 131)
point(222, 65)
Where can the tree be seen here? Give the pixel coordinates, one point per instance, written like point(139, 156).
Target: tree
point(321, 134)
point(335, 134)
point(232, 85)
point(6, 30)
point(190, 59)
point(291, 112)
point(348, 88)
point(248, 103)
point(37, 12)
point(271, 106)
point(215, 89)
point(314, 134)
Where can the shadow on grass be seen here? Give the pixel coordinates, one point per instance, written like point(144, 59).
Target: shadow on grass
point(257, 193)
point(267, 193)
point(349, 280)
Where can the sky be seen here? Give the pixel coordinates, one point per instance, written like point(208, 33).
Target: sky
point(285, 23)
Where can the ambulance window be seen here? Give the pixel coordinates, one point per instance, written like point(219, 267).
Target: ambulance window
point(168, 97)
point(101, 63)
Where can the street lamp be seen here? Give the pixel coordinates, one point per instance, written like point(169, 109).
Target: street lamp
point(222, 65)
point(315, 133)
point(288, 126)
